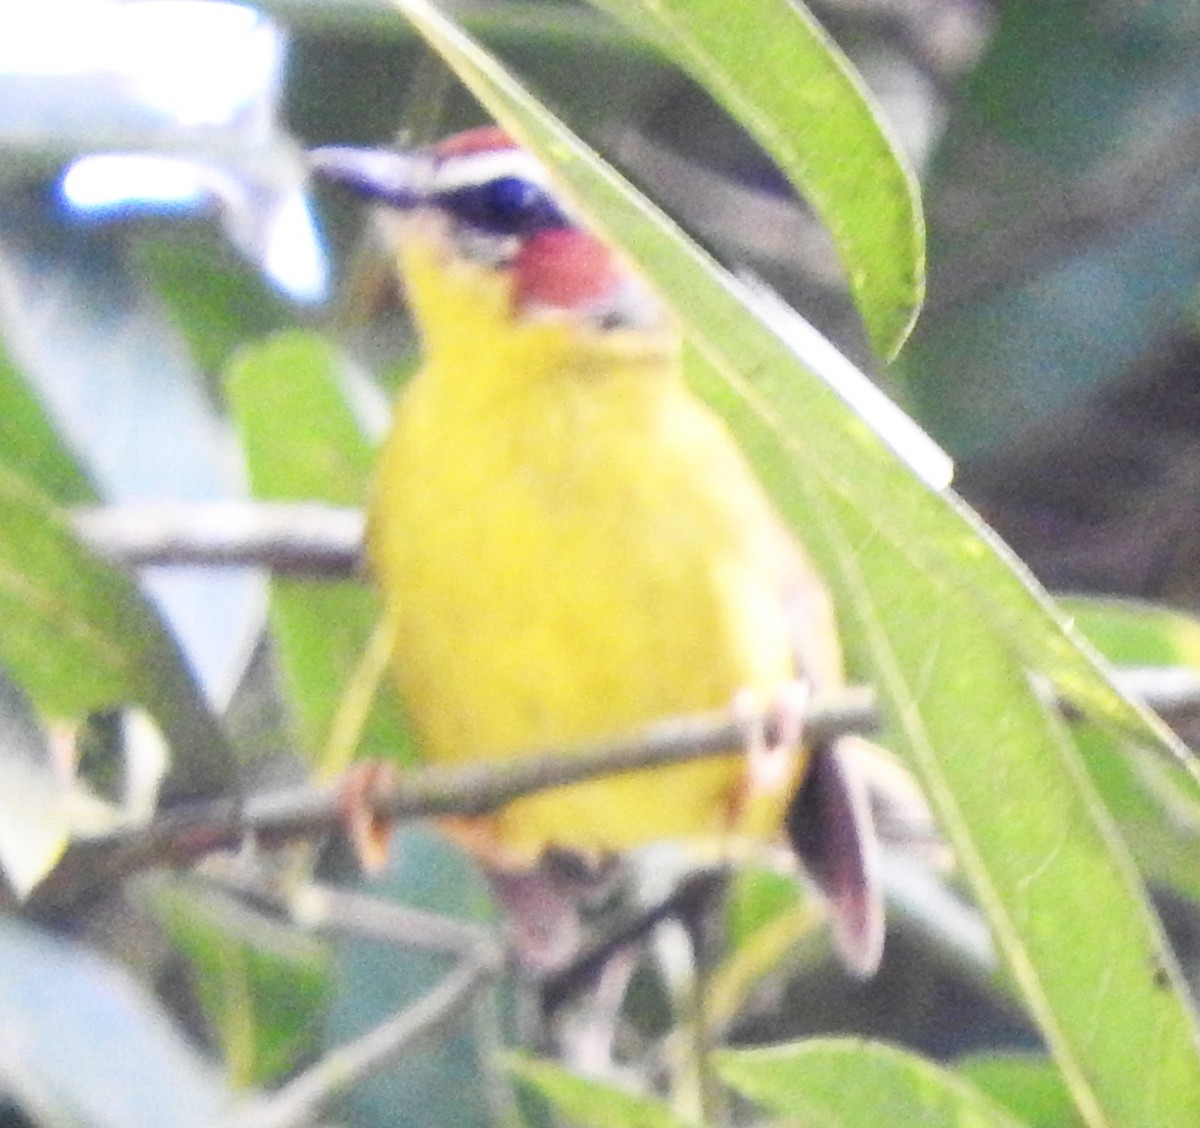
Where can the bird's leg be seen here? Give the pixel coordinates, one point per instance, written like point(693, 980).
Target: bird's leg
point(772, 733)
point(367, 832)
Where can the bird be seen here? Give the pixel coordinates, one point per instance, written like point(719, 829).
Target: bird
point(570, 544)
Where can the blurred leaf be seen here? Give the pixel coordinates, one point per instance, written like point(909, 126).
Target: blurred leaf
point(1161, 826)
point(759, 897)
point(586, 1103)
point(262, 983)
point(302, 443)
point(112, 374)
point(766, 914)
point(35, 821)
point(842, 1083)
point(85, 1046)
point(79, 637)
point(1027, 1085)
point(1130, 632)
point(29, 444)
point(218, 303)
point(1136, 790)
point(775, 70)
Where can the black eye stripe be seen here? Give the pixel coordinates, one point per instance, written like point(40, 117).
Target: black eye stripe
point(505, 205)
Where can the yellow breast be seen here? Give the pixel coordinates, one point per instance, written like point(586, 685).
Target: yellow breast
point(570, 546)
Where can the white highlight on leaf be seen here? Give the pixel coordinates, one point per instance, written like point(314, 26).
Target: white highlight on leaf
point(907, 440)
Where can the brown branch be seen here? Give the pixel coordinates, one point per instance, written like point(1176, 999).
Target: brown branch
point(309, 538)
point(186, 833)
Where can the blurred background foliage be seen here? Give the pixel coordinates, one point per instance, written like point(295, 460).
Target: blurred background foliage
point(1057, 359)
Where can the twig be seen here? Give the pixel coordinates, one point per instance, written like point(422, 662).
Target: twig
point(473, 789)
point(306, 1096)
point(333, 912)
point(340, 912)
point(329, 911)
point(187, 833)
point(309, 538)
point(689, 900)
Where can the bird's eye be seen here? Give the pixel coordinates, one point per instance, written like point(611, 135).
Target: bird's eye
point(507, 205)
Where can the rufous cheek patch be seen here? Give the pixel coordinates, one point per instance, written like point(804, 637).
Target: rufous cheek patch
point(564, 268)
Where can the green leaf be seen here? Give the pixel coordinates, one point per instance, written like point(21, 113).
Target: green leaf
point(1027, 1085)
point(302, 443)
point(766, 916)
point(1135, 787)
point(586, 1103)
point(218, 303)
point(1130, 632)
point(85, 1044)
point(843, 1083)
point(1032, 835)
point(775, 70)
point(263, 985)
point(80, 637)
point(29, 445)
point(100, 350)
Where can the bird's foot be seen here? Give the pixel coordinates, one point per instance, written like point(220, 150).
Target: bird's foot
point(772, 735)
point(367, 831)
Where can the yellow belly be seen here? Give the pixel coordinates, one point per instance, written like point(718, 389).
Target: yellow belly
point(556, 578)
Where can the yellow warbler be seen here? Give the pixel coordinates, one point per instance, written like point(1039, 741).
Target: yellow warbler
point(571, 545)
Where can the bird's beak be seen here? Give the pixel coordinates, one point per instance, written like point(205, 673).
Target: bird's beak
point(383, 175)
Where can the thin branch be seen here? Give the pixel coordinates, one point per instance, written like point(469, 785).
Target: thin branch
point(340, 912)
point(328, 911)
point(186, 833)
point(308, 539)
point(304, 1098)
point(333, 912)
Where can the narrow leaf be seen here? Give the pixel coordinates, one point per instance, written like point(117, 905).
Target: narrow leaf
point(773, 67)
point(1027, 1085)
point(29, 445)
point(262, 984)
point(1031, 833)
point(1135, 787)
point(1130, 632)
point(79, 637)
